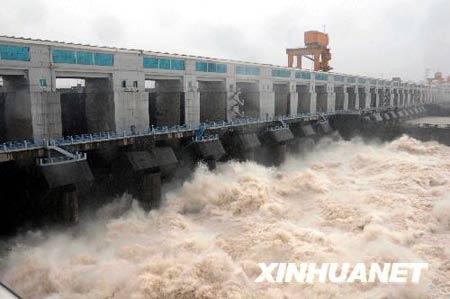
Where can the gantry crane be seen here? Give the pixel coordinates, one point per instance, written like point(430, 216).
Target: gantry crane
point(316, 45)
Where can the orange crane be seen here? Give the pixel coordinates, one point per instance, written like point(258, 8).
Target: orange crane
point(316, 45)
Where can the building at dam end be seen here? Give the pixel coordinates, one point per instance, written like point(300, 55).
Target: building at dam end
point(185, 90)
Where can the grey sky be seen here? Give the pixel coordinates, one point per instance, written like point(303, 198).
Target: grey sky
point(381, 38)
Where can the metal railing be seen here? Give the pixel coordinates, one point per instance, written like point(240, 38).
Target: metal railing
point(61, 159)
point(205, 138)
point(27, 145)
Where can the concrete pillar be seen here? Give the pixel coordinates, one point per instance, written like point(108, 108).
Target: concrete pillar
point(377, 98)
point(69, 205)
point(32, 107)
point(419, 96)
point(392, 94)
point(233, 107)
point(45, 103)
point(138, 173)
point(293, 99)
point(405, 97)
point(275, 141)
point(313, 99)
point(130, 100)
point(46, 111)
point(331, 99)
point(191, 101)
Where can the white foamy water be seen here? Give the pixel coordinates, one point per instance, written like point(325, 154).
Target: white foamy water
point(346, 202)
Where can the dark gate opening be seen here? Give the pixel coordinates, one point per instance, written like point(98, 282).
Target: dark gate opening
point(282, 99)
point(362, 97)
point(304, 99)
point(340, 97)
point(213, 101)
point(2, 116)
point(165, 98)
point(351, 98)
point(373, 97)
point(73, 106)
point(249, 96)
point(321, 98)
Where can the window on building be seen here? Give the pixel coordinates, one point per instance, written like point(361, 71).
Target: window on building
point(150, 84)
point(42, 82)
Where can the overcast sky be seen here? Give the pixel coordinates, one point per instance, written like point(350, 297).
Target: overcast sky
point(381, 38)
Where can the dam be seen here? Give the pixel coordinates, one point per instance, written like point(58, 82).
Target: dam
point(142, 116)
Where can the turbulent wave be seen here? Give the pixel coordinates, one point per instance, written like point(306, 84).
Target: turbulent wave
point(344, 202)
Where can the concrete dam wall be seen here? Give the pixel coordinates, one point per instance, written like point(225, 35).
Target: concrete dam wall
point(63, 148)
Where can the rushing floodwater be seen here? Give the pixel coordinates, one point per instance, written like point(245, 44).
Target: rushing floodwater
point(346, 202)
point(432, 120)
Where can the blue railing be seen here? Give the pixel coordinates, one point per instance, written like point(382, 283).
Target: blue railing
point(15, 146)
point(61, 159)
point(26, 145)
point(205, 138)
